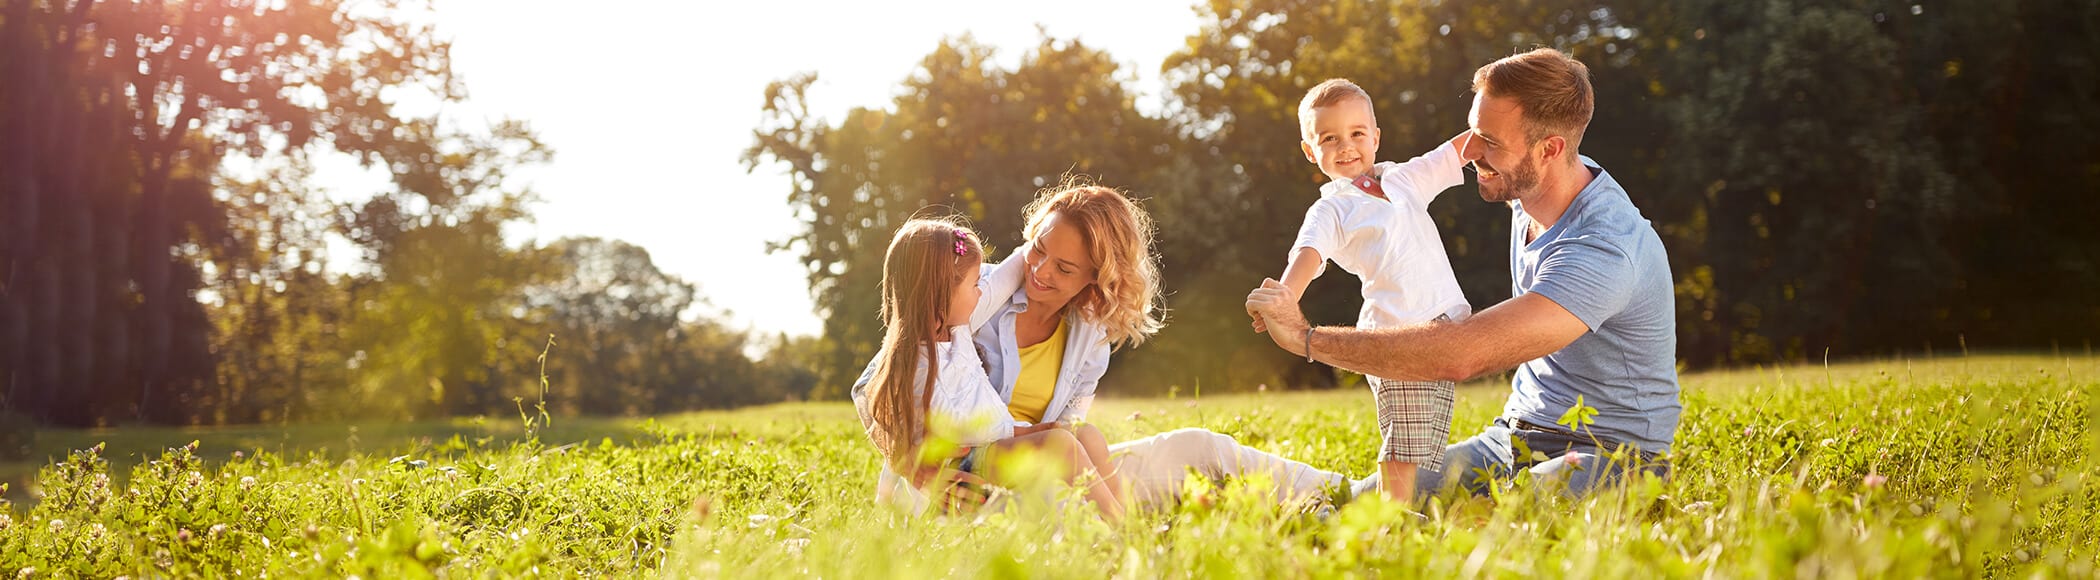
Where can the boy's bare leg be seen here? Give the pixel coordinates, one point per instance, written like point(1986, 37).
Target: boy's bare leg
point(1096, 445)
point(1398, 479)
point(1414, 421)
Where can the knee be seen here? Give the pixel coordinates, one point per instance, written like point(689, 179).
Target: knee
point(1061, 443)
point(1087, 431)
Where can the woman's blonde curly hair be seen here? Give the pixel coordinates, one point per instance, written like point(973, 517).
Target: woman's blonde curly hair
point(1125, 298)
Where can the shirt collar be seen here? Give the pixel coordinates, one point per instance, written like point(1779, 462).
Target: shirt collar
point(1345, 186)
point(1019, 301)
point(1599, 184)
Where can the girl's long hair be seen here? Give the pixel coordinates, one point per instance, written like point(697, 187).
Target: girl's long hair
point(926, 260)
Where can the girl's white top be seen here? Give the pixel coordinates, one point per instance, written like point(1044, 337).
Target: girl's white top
point(964, 408)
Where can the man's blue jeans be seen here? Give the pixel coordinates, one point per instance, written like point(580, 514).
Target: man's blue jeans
point(1572, 462)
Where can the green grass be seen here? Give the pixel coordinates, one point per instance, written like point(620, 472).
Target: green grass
point(1988, 466)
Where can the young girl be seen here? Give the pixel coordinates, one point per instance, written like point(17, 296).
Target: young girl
point(928, 378)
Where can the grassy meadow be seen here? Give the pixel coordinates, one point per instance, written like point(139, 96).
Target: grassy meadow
point(1956, 467)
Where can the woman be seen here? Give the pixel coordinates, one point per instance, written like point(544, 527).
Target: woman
point(1085, 283)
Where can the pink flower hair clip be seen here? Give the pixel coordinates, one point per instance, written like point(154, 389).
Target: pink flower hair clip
point(961, 236)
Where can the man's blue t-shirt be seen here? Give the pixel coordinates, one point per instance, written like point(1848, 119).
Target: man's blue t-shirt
point(1605, 264)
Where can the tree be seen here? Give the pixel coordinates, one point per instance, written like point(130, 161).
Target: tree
point(115, 115)
point(964, 137)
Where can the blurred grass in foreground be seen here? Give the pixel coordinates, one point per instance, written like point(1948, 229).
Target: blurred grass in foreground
point(1947, 467)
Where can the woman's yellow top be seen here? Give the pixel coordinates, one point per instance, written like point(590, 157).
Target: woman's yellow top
point(1038, 379)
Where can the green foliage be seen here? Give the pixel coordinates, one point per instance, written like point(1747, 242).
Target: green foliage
point(1850, 176)
point(1942, 468)
point(966, 136)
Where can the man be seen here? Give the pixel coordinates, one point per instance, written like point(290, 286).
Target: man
point(1592, 318)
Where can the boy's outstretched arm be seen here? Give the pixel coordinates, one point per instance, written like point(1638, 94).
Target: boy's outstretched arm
point(1304, 267)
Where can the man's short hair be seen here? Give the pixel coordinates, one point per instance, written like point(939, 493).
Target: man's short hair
point(1552, 88)
point(1328, 93)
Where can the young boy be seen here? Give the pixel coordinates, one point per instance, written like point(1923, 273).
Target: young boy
point(1373, 220)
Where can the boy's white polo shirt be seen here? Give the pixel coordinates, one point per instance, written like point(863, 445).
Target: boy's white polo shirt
point(1392, 244)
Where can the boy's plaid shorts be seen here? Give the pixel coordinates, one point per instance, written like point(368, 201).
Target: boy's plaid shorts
point(1414, 420)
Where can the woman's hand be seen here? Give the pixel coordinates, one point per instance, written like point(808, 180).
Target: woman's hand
point(961, 493)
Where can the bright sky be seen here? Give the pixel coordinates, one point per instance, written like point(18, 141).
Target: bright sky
point(649, 104)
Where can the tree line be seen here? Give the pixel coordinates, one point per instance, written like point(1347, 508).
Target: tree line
point(1849, 177)
point(164, 251)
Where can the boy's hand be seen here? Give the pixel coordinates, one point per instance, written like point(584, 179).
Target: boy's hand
point(1260, 326)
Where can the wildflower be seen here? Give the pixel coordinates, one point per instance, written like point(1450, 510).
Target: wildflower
point(248, 482)
point(1748, 431)
point(57, 525)
point(183, 535)
point(26, 572)
point(1874, 480)
point(1574, 459)
point(237, 454)
point(702, 507)
point(215, 531)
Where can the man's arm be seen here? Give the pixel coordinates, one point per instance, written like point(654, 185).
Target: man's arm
point(1506, 335)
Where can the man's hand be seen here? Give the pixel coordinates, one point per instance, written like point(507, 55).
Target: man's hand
point(1275, 306)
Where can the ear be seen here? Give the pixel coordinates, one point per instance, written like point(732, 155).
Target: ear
point(1375, 134)
point(1307, 148)
point(1554, 147)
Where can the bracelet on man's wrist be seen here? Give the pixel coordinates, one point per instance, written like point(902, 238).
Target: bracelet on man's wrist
point(1308, 343)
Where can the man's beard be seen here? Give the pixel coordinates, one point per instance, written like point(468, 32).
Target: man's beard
point(1514, 184)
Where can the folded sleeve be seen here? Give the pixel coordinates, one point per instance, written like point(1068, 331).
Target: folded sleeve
point(1423, 178)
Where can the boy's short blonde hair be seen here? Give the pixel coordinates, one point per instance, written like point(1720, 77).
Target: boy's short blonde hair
point(1328, 93)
